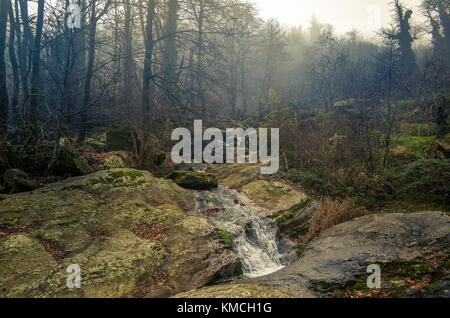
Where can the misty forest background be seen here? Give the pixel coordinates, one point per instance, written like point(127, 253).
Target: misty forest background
point(359, 119)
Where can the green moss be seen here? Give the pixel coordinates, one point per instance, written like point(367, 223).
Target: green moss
point(221, 234)
point(94, 181)
point(133, 174)
point(282, 217)
point(299, 249)
point(398, 276)
point(75, 187)
point(320, 286)
point(415, 144)
point(226, 237)
point(112, 162)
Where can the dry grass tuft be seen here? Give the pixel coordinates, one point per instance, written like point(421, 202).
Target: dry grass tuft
point(330, 214)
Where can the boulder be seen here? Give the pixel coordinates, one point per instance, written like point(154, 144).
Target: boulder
point(119, 137)
point(71, 162)
point(112, 162)
point(237, 175)
point(194, 180)
point(342, 253)
point(16, 180)
point(127, 230)
point(273, 195)
point(295, 221)
point(97, 143)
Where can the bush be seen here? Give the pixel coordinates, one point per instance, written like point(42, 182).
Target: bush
point(311, 181)
point(424, 181)
point(330, 214)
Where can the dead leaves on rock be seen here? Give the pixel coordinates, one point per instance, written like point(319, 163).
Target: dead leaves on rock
point(151, 232)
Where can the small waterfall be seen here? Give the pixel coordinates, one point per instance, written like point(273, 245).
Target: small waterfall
point(255, 238)
point(257, 246)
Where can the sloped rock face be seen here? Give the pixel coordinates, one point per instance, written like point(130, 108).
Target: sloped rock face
point(296, 221)
point(237, 174)
point(273, 196)
point(234, 291)
point(343, 252)
point(126, 230)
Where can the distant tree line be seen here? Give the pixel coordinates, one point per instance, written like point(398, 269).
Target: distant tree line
point(150, 62)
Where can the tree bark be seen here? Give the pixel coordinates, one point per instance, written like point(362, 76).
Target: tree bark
point(35, 60)
point(14, 65)
point(89, 73)
point(147, 92)
point(4, 99)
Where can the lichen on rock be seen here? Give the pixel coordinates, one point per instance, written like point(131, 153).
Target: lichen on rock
point(92, 221)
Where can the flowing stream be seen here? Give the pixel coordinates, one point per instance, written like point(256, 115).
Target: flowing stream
point(255, 238)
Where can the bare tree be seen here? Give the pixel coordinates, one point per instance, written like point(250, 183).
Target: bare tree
point(4, 99)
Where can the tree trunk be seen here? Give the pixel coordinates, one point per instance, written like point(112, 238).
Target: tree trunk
point(4, 99)
point(35, 60)
point(14, 65)
point(147, 92)
point(128, 66)
point(170, 55)
point(89, 73)
point(199, 78)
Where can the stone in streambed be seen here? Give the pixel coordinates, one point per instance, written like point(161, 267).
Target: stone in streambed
point(194, 180)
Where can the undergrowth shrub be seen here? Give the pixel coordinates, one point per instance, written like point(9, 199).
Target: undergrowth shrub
point(331, 213)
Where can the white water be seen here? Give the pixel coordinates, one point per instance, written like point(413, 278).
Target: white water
point(255, 238)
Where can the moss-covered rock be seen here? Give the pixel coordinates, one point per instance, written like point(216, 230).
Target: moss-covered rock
point(237, 174)
point(119, 137)
point(296, 221)
point(97, 143)
point(71, 162)
point(112, 162)
point(126, 229)
point(273, 195)
point(23, 263)
point(234, 291)
point(16, 180)
point(194, 180)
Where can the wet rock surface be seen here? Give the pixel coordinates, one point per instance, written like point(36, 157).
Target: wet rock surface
point(343, 252)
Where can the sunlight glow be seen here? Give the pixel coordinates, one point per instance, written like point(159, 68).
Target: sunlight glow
point(345, 15)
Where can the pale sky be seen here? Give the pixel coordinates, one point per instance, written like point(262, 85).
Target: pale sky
point(365, 15)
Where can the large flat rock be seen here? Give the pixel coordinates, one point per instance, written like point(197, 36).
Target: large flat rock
point(343, 252)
